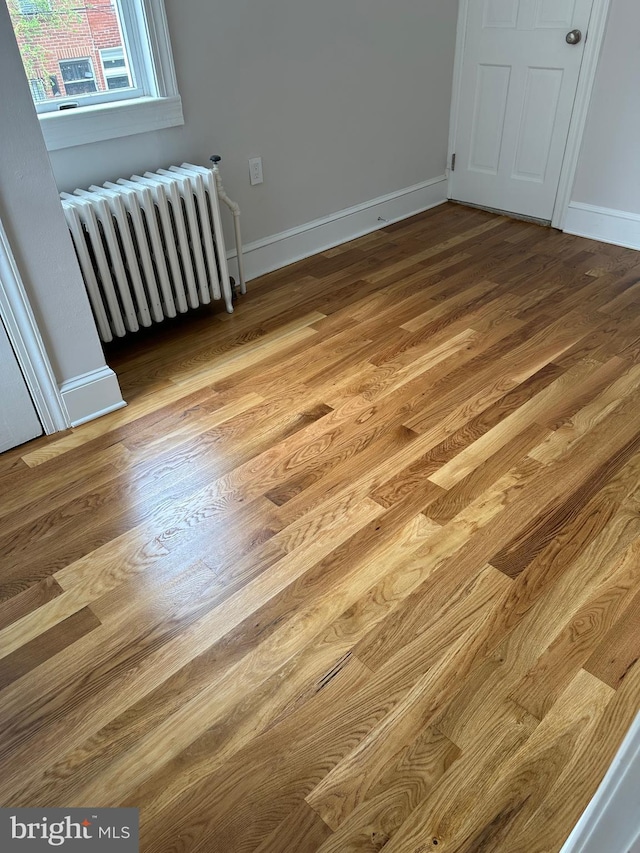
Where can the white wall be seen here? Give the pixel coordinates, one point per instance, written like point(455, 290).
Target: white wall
point(33, 219)
point(609, 168)
point(345, 100)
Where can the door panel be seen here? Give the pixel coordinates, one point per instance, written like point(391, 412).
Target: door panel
point(492, 89)
point(518, 86)
point(539, 111)
point(555, 13)
point(18, 419)
point(500, 13)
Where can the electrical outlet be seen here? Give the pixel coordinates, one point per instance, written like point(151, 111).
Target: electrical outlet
point(255, 171)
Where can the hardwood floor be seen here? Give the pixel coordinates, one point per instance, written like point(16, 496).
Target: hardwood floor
point(357, 569)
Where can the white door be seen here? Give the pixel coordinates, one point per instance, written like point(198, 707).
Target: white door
point(518, 86)
point(18, 419)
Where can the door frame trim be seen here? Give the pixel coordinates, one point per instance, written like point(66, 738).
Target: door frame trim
point(26, 340)
point(586, 80)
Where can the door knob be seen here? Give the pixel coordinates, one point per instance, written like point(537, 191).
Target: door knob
point(574, 37)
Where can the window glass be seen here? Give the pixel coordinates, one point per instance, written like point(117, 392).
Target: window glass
point(72, 49)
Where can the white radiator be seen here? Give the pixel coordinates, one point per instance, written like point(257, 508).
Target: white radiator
point(151, 247)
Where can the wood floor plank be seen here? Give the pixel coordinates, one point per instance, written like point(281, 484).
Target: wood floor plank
point(346, 786)
point(357, 566)
point(29, 656)
point(594, 540)
point(366, 705)
point(510, 728)
point(57, 485)
point(28, 601)
point(513, 651)
point(303, 830)
point(463, 492)
point(561, 441)
point(586, 630)
point(329, 651)
point(182, 385)
point(514, 558)
point(190, 508)
point(563, 805)
point(415, 474)
point(274, 632)
point(165, 650)
point(411, 774)
point(233, 820)
point(554, 744)
point(372, 382)
point(284, 692)
point(498, 524)
point(532, 411)
point(620, 648)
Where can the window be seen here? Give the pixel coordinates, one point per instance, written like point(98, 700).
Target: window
point(73, 38)
point(97, 69)
point(78, 76)
point(114, 68)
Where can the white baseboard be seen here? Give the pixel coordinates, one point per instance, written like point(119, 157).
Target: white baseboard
point(91, 395)
point(610, 822)
point(283, 249)
point(604, 224)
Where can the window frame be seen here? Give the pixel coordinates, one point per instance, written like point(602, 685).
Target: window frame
point(154, 104)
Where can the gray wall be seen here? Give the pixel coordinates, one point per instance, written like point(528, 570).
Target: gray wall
point(33, 219)
point(345, 100)
point(609, 167)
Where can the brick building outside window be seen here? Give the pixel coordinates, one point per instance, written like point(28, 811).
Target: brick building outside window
point(70, 48)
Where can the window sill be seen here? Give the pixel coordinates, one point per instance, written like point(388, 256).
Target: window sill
point(109, 121)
